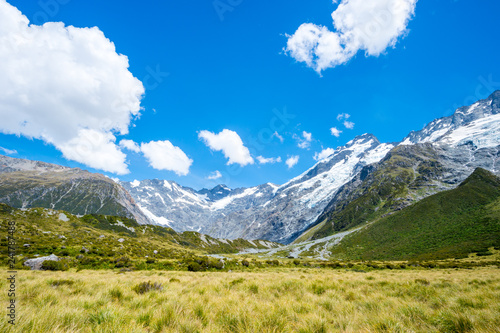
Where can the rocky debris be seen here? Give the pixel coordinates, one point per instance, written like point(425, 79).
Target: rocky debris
point(121, 240)
point(27, 245)
point(84, 249)
point(36, 264)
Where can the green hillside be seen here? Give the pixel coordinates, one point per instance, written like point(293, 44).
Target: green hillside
point(99, 241)
point(405, 174)
point(450, 224)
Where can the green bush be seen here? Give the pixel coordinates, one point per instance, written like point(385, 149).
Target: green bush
point(145, 287)
point(52, 265)
point(195, 267)
point(122, 262)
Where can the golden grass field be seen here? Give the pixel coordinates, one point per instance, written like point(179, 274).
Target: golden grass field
point(279, 300)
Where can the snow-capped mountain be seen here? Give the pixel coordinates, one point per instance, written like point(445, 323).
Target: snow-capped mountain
point(477, 125)
point(468, 139)
point(439, 157)
point(267, 211)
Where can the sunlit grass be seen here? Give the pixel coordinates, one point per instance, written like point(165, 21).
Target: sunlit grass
point(281, 300)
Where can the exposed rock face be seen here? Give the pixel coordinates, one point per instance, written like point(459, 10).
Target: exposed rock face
point(36, 264)
point(25, 184)
point(267, 211)
point(437, 158)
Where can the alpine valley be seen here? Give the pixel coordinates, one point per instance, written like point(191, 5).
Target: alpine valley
point(360, 183)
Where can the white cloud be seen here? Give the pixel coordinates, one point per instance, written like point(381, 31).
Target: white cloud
point(95, 149)
point(130, 145)
point(66, 86)
point(348, 124)
point(359, 25)
point(163, 155)
point(8, 151)
point(323, 154)
point(305, 141)
point(215, 175)
point(335, 132)
point(342, 116)
point(230, 143)
point(292, 161)
point(277, 135)
point(272, 160)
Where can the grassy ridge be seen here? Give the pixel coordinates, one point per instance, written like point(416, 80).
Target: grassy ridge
point(449, 224)
point(99, 241)
point(402, 174)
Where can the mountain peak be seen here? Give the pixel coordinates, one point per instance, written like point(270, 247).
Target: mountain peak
point(361, 139)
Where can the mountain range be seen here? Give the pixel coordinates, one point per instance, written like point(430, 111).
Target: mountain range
point(363, 181)
point(436, 158)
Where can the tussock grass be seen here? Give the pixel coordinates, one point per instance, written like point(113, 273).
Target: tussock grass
point(280, 300)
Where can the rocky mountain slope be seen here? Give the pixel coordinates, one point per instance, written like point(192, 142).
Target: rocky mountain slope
point(25, 184)
point(361, 181)
point(449, 224)
point(438, 157)
point(268, 211)
point(345, 187)
point(98, 241)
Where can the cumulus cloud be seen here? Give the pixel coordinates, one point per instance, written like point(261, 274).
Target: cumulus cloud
point(95, 149)
point(272, 160)
point(292, 161)
point(163, 155)
point(305, 140)
point(359, 25)
point(130, 145)
point(8, 151)
point(323, 154)
point(335, 132)
point(68, 87)
point(215, 175)
point(231, 145)
point(342, 116)
point(348, 124)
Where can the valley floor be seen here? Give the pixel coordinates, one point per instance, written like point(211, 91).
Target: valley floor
point(267, 300)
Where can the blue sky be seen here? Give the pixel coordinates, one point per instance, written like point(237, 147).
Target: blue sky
point(203, 74)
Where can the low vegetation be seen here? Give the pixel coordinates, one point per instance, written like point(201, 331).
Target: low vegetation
point(105, 242)
point(450, 224)
point(268, 300)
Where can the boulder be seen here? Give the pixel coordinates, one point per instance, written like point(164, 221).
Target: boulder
point(36, 264)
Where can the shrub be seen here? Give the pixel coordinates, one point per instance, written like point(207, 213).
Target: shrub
point(195, 267)
point(122, 262)
point(144, 287)
point(245, 263)
point(52, 265)
point(150, 261)
point(296, 262)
